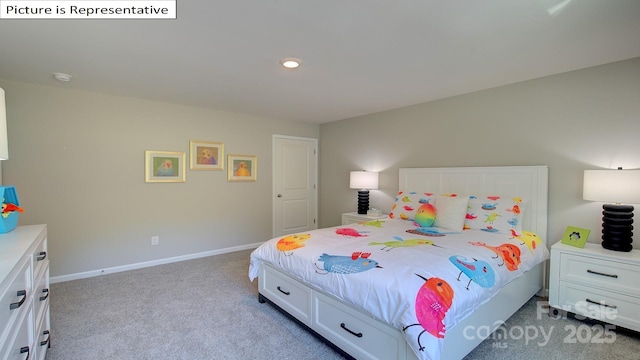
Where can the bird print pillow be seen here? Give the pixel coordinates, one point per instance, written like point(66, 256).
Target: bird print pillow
point(407, 204)
point(495, 213)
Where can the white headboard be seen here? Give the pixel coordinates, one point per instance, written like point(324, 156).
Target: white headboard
point(527, 181)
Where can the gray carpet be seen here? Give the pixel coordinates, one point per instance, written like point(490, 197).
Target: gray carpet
point(207, 309)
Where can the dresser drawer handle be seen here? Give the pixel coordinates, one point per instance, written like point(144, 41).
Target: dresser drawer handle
point(603, 274)
point(45, 342)
point(16, 305)
point(44, 291)
point(601, 303)
point(284, 292)
point(344, 327)
point(41, 256)
point(25, 350)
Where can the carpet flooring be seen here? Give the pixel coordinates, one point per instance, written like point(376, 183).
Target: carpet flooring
point(207, 309)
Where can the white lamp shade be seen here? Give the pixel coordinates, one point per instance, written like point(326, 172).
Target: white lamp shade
point(613, 186)
point(4, 145)
point(363, 180)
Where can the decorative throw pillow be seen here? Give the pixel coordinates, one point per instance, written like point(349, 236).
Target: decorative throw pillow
point(426, 215)
point(495, 213)
point(451, 211)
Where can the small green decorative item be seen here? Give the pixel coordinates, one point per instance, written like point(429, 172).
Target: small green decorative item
point(575, 236)
point(10, 209)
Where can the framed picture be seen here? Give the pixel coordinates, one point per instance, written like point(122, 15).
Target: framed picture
point(575, 236)
point(164, 166)
point(205, 155)
point(242, 168)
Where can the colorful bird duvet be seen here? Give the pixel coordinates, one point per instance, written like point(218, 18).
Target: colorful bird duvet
point(421, 281)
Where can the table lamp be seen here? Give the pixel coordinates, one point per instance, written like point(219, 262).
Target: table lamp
point(617, 188)
point(363, 181)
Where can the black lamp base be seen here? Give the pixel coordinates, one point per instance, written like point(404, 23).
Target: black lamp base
point(363, 201)
point(617, 227)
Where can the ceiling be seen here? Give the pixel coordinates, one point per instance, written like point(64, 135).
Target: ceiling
point(358, 56)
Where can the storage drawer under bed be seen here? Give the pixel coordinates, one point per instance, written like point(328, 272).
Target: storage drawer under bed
point(355, 333)
point(359, 335)
point(286, 292)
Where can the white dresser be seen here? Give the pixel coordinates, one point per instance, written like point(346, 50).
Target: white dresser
point(24, 293)
point(597, 283)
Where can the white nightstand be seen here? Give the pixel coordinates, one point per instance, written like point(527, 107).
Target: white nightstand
point(354, 217)
point(597, 283)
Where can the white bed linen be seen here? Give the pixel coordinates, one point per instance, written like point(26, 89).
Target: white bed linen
point(390, 268)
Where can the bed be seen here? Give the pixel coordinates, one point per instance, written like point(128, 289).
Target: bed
point(415, 285)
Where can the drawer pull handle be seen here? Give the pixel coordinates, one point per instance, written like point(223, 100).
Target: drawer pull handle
point(44, 291)
point(45, 342)
point(603, 274)
point(41, 256)
point(16, 305)
point(601, 303)
point(25, 350)
point(344, 327)
point(284, 292)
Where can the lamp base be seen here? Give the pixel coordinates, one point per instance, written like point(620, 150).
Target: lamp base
point(617, 228)
point(363, 201)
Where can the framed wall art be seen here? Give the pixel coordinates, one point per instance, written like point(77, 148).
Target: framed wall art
point(164, 166)
point(242, 168)
point(575, 236)
point(206, 155)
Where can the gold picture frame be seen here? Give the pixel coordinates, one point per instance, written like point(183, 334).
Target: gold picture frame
point(242, 168)
point(164, 166)
point(206, 155)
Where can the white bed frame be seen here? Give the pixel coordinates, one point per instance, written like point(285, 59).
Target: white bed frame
point(530, 182)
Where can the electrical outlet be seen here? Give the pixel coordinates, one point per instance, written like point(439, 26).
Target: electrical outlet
point(155, 240)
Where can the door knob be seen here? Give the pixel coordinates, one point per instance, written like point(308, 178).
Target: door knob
point(279, 195)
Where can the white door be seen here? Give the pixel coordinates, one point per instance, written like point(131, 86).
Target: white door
point(295, 193)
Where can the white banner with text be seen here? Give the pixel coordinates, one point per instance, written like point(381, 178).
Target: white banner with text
point(88, 9)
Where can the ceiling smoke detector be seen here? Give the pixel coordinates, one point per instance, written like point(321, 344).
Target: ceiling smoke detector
point(62, 77)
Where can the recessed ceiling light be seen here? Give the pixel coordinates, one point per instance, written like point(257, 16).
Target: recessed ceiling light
point(290, 63)
point(62, 77)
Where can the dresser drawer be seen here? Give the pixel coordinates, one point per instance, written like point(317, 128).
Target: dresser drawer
point(610, 275)
point(42, 337)
point(40, 256)
point(18, 345)
point(358, 335)
point(41, 293)
point(15, 297)
point(600, 304)
point(287, 293)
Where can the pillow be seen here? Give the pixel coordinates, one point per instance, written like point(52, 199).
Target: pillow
point(451, 212)
point(450, 209)
point(495, 213)
point(426, 215)
point(407, 204)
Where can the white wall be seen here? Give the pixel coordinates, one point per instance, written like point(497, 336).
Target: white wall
point(580, 120)
point(77, 161)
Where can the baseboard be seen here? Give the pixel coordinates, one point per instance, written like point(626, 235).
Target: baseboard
point(116, 269)
point(543, 293)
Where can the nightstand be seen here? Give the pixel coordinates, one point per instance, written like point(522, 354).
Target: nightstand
point(354, 217)
point(596, 283)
